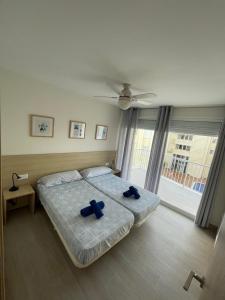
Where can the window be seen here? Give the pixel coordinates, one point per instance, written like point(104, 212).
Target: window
point(180, 136)
point(187, 137)
point(211, 152)
point(183, 147)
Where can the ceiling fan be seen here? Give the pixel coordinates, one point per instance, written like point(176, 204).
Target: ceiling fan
point(127, 100)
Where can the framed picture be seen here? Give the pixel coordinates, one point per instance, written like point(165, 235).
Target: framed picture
point(42, 126)
point(77, 130)
point(101, 132)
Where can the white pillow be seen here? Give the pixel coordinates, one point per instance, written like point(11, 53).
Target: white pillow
point(60, 178)
point(96, 171)
point(70, 176)
point(50, 180)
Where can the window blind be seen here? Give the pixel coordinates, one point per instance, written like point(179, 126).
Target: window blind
point(195, 127)
point(146, 124)
point(194, 120)
point(147, 118)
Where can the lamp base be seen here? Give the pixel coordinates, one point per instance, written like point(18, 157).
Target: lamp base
point(13, 188)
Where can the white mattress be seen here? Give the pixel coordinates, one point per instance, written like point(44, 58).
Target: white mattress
point(86, 239)
point(114, 187)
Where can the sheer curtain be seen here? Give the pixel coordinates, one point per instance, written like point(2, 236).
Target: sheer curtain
point(158, 149)
point(126, 138)
point(206, 205)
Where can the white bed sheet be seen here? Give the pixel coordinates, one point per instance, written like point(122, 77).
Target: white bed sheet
point(86, 239)
point(114, 187)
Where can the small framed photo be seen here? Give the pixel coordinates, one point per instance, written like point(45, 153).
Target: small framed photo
point(101, 132)
point(77, 130)
point(42, 126)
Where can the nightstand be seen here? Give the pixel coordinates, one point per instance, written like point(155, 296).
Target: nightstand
point(24, 190)
point(116, 172)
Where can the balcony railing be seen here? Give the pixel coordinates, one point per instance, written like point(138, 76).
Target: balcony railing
point(180, 170)
point(189, 174)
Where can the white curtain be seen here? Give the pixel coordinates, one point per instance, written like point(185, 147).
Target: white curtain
point(158, 149)
point(206, 205)
point(126, 139)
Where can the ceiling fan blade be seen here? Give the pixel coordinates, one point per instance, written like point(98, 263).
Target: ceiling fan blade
point(145, 95)
point(106, 97)
point(144, 102)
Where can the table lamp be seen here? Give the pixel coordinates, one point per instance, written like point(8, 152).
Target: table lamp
point(13, 187)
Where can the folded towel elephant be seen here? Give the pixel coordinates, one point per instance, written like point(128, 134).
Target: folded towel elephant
point(132, 192)
point(94, 208)
point(97, 210)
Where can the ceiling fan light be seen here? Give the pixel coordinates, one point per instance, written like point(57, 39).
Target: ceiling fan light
point(124, 104)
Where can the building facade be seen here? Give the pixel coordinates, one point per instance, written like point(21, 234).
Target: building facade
point(185, 153)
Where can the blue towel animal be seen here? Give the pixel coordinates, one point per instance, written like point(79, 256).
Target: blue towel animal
point(87, 211)
point(97, 210)
point(132, 192)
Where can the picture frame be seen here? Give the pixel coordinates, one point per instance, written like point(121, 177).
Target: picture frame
point(101, 132)
point(77, 129)
point(41, 126)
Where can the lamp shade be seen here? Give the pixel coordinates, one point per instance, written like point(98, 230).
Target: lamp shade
point(124, 103)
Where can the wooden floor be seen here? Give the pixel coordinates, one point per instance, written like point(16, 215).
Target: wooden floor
point(152, 262)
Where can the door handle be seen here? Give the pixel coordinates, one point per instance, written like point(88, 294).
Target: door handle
point(194, 275)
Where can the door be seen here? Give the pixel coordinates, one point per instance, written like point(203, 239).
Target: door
point(2, 277)
point(186, 165)
point(140, 156)
point(213, 284)
point(214, 287)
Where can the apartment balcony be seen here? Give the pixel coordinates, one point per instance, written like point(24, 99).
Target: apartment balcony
point(181, 185)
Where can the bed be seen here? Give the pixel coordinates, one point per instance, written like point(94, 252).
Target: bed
point(85, 239)
point(114, 187)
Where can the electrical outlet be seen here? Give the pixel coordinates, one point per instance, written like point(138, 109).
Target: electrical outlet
point(23, 176)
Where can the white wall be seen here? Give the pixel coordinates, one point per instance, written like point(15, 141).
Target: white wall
point(23, 95)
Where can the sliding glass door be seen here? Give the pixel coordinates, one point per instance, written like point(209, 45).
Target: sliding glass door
point(186, 167)
point(187, 160)
point(140, 156)
point(188, 157)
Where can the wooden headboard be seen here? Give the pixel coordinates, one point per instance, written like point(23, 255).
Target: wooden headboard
point(37, 165)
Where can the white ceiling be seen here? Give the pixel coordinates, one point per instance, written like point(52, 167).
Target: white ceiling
point(174, 48)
